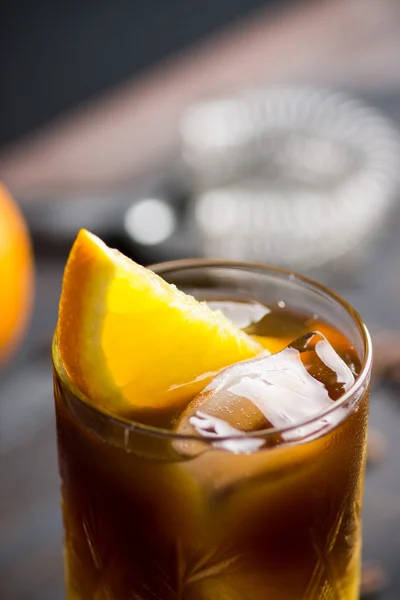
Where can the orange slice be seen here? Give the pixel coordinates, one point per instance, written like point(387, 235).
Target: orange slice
point(128, 338)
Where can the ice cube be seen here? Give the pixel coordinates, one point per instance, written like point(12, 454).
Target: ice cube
point(272, 391)
point(242, 314)
point(210, 427)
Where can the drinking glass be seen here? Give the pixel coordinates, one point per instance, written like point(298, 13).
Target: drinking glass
point(150, 514)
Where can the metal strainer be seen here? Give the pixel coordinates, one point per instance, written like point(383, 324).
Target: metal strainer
point(294, 176)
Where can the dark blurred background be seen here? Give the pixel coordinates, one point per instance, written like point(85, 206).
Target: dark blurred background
point(58, 55)
point(247, 129)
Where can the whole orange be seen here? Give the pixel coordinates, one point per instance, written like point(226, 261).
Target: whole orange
point(16, 275)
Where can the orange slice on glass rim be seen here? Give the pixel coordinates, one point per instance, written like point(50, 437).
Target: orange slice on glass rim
point(127, 338)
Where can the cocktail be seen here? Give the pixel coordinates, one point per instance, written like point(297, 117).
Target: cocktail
point(211, 427)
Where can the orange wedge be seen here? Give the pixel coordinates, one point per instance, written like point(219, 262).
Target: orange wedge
point(128, 338)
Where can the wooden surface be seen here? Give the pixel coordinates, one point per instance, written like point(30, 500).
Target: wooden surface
point(133, 130)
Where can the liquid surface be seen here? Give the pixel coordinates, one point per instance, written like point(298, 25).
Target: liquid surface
point(277, 329)
point(273, 391)
point(148, 518)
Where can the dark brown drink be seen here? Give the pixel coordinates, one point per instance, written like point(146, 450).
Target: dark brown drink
point(150, 514)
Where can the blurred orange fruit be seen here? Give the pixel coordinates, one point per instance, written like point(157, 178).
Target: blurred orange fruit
point(16, 275)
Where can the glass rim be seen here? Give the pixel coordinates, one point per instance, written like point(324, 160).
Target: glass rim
point(201, 263)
